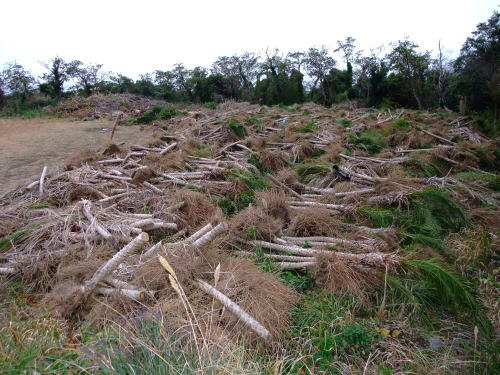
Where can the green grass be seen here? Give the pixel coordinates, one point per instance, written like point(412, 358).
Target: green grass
point(308, 170)
point(370, 141)
point(325, 322)
point(12, 238)
point(237, 129)
point(157, 113)
point(493, 182)
point(210, 105)
point(344, 122)
point(431, 215)
point(308, 127)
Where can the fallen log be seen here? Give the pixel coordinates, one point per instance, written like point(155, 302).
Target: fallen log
point(250, 322)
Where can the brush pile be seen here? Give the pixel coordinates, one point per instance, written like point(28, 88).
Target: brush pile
point(180, 224)
point(103, 106)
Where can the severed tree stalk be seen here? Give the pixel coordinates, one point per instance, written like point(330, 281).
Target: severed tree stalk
point(105, 271)
point(168, 148)
point(7, 270)
point(152, 187)
point(42, 178)
point(374, 259)
point(199, 233)
point(294, 265)
point(290, 258)
point(210, 236)
point(86, 205)
point(135, 294)
point(339, 207)
point(250, 322)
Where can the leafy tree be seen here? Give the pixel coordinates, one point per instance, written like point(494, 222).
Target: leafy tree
point(478, 65)
point(59, 72)
point(87, 77)
point(412, 65)
point(318, 65)
point(18, 81)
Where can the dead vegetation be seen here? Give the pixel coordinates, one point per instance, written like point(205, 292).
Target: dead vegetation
point(168, 226)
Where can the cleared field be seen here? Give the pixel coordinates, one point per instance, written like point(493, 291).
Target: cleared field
point(27, 145)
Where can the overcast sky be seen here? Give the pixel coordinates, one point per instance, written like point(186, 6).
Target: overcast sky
point(133, 37)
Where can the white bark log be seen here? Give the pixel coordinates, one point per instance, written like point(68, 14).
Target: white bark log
point(168, 148)
point(113, 197)
point(130, 293)
point(152, 187)
point(210, 236)
point(105, 271)
point(294, 265)
point(42, 178)
point(338, 207)
point(201, 232)
point(86, 206)
point(250, 322)
point(7, 270)
point(375, 259)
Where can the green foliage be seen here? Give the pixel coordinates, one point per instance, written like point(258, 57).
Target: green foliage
point(12, 238)
point(370, 141)
point(210, 105)
point(417, 166)
point(307, 171)
point(31, 113)
point(231, 206)
point(320, 318)
point(157, 113)
point(402, 124)
point(308, 127)
point(431, 215)
point(237, 129)
point(250, 178)
point(428, 285)
point(493, 182)
point(299, 280)
point(346, 123)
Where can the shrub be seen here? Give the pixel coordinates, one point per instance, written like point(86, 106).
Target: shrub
point(370, 141)
point(157, 113)
point(308, 127)
point(210, 105)
point(237, 129)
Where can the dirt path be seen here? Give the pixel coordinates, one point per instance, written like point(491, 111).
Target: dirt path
point(27, 145)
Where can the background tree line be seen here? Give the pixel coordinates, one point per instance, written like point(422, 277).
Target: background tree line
point(405, 76)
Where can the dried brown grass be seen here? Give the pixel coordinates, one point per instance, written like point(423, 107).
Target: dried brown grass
point(274, 160)
point(253, 222)
point(274, 203)
point(313, 222)
point(83, 157)
point(338, 276)
point(198, 208)
point(142, 174)
point(260, 294)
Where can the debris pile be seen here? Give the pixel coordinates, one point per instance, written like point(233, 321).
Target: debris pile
point(178, 224)
point(103, 106)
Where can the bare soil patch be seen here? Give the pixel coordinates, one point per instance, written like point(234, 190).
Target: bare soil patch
point(27, 145)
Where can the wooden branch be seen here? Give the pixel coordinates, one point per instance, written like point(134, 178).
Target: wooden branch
point(294, 265)
point(86, 206)
point(282, 185)
point(42, 178)
point(105, 270)
point(168, 148)
point(437, 136)
point(134, 294)
point(7, 270)
point(210, 236)
point(250, 322)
